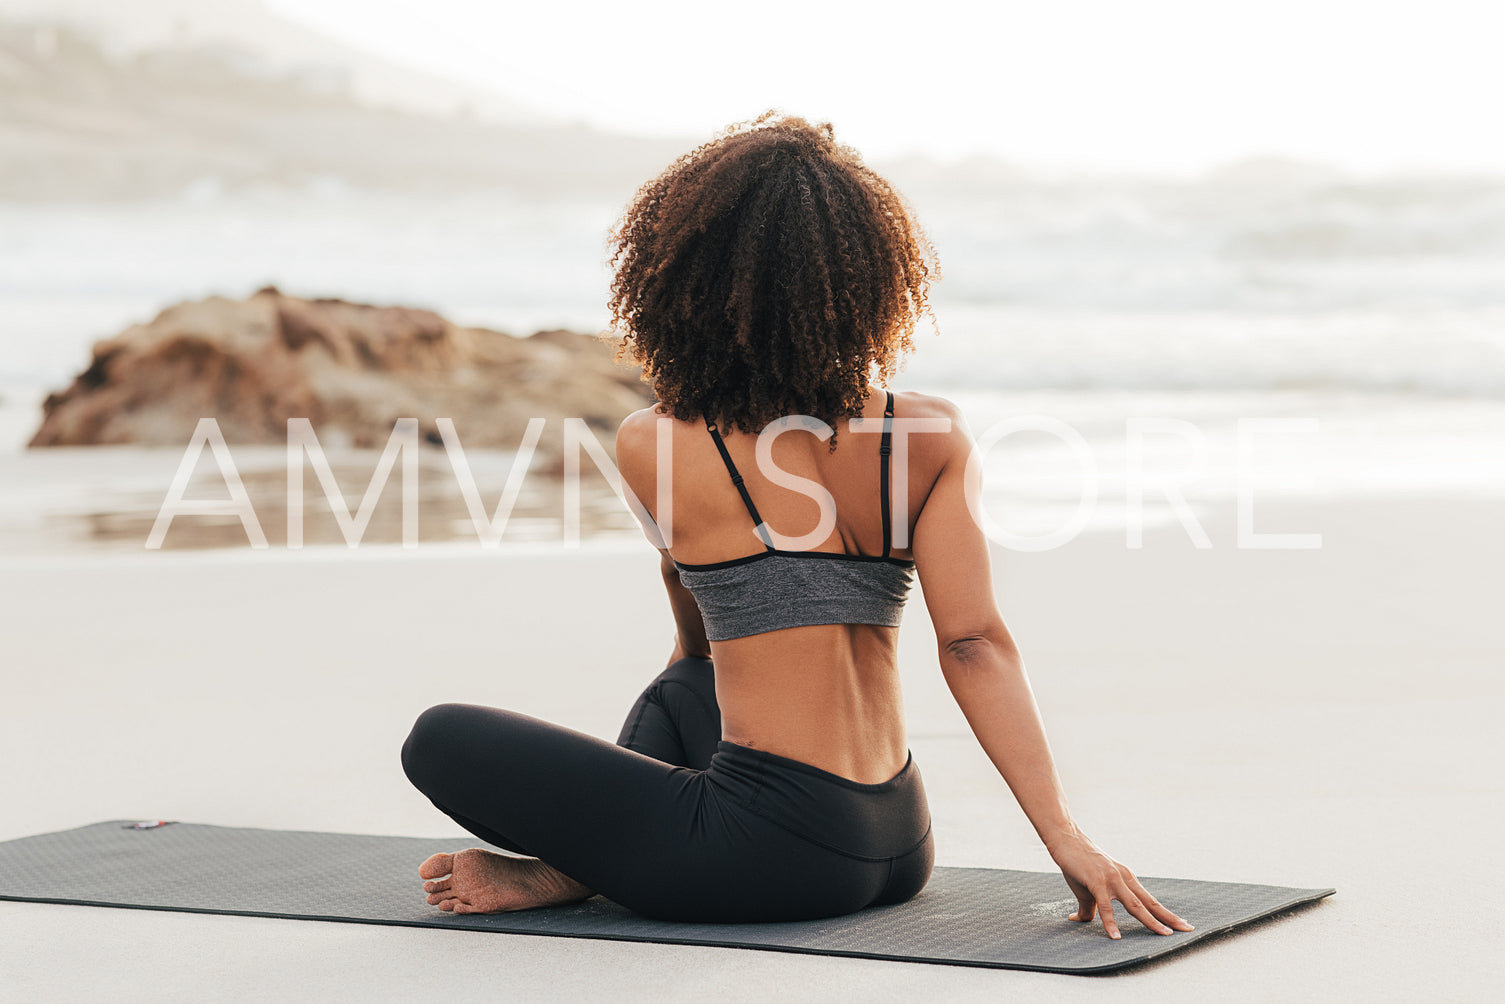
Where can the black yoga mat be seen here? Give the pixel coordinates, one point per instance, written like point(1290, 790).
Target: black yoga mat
point(966, 916)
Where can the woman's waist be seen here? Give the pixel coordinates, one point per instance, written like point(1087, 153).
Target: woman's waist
point(859, 752)
point(834, 703)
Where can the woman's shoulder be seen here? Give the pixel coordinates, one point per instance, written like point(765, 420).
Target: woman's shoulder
point(914, 404)
point(641, 427)
point(940, 419)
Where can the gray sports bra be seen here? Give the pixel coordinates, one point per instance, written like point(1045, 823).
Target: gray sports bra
point(776, 589)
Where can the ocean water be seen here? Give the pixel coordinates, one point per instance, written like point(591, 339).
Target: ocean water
point(1388, 286)
point(1368, 315)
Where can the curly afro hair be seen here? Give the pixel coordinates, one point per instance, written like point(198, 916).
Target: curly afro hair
point(768, 273)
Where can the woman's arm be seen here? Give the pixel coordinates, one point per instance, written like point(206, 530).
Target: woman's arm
point(689, 627)
point(986, 675)
point(637, 456)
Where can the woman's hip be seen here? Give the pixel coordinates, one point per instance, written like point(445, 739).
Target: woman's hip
point(869, 822)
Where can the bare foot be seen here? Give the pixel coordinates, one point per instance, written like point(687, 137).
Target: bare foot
point(481, 881)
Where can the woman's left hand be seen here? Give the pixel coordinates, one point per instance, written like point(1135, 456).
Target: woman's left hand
point(1096, 880)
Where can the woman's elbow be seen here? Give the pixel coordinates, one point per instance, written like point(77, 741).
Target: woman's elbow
point(979, 650)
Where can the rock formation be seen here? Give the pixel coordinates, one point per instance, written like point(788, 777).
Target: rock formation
point(351, 369)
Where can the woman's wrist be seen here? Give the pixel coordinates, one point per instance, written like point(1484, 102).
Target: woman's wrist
point(1058, 834)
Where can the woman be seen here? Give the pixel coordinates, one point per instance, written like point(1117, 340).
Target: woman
point(764, 775)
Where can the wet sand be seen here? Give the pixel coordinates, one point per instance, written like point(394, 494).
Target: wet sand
point(1310, 718)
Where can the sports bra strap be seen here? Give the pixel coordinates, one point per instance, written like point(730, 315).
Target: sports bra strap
point(731, 469)
point(883, 452)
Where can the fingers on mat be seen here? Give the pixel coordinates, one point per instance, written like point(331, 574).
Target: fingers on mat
point(1110, 924)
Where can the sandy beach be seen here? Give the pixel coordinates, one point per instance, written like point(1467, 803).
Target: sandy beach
point(1302, 717)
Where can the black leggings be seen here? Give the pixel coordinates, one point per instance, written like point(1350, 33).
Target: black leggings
point(673, 822)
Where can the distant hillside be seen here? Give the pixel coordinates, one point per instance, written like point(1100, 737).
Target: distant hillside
point(80, 120)
point(257, 40)
point(124, 99)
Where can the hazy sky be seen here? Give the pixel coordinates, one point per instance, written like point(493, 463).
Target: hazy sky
point(1172, 85)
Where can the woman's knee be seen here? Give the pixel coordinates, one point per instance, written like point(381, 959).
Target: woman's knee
point(432, 739)
point(695, 675)
point(692, 664)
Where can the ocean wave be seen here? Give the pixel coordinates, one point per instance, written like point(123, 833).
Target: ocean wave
point(1449, 353)
point(1393, 287)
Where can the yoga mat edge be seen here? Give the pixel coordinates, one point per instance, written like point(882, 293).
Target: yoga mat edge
point(1290, 900)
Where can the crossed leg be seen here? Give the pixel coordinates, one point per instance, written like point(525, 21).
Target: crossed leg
point(675, 723)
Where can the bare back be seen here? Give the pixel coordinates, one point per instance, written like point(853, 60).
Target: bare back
point(827, 694)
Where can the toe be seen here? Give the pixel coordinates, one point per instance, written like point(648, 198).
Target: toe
point(439, 886)
point(448, 905)
point(437, 866)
